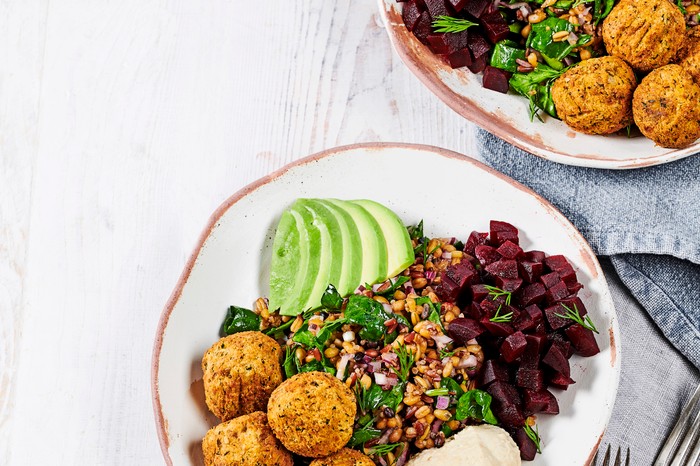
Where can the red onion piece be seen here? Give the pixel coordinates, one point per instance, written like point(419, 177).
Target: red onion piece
point(342, 365)
point(442, 402)
point(380, 378)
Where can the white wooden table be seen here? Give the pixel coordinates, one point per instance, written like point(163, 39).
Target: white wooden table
point(123, 124)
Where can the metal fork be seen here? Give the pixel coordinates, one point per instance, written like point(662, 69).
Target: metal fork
point(682, 447)
point(618, 457)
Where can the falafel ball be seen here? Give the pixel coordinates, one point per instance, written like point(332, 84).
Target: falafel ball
point(345, 457)
point(689, 54)
point(595, 96)
point(312, 414)
point(240, 373)
point(646, 34)
point(244, 441)
point(666, 107)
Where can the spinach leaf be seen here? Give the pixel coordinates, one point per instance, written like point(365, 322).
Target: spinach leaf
point(375, 397)
point(238, 320)
point(536, 86)
point(396, 284)
point(364, 434)
point(291, 363)
point(541, 39)
point(306, 338)
point(445, 429)
point(331, 299)
point(504, 56)
point(327, 330)
point(475, 404)
point(369, 314)
point(600, 13)
point(452, 385)
point(312, 366)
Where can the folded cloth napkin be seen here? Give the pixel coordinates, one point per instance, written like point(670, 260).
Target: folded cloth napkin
point(646, 220)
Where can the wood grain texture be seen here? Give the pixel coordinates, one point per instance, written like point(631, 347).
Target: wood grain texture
point(124, 124)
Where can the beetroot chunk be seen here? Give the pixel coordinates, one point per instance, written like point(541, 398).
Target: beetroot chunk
point(411, 14)
point(532, 379)
point(527, 447)
point(463, 329)
point(561, 381)
point(475, 239)
point(509, 284)
point(556, 263)
point(556, 359)
point(541, 401)
point(492, 371)
point(480, 49)
point(457, 5)
point(496, 79)
point(535, 313)
point(557, 293)
point(423, 27)
point(535, 256)
point(496, 328)
point(495, 26)
point(476, 8)
point(486, 254)
point(510, 250)
point(553, 320)
point(505, 268)
point(506, 404)
point(502, 232)
point(530, 271)
point(460, 58)
point(550, 279)
point(532, 294)
point(479, 292)
point(478, 64)
point(436, 8)
point(454, 280)
point(513, 347)
point(583, 340)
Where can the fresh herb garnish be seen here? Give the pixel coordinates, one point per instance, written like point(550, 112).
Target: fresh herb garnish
point(451, 24)
point(383, 449)
point(501, 319)
point(291, 363)
point(364, 434)
point(496, 293)
point(438, 391)
point(533, 435)
point(445, 353)
point(368, 313)
point(406, 360)
point(600, 11)
point(395, 285)
point(452, 385)
point(238, 320)
point(679, 3)
point(576, 317)
point(475, 404)
point(331, 299)
point(537, 87)
point(416, 233)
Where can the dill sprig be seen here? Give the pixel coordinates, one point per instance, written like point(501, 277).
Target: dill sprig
point(576, 317)
point(501, 319)
point(406, 360)
point(451, 24)
point(385, 448)
point(496, 293)
point(533, 435)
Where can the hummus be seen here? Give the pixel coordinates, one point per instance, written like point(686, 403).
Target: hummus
point(483, 445)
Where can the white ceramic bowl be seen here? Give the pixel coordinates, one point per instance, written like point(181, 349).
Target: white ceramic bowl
point(507, 115)
point(230, 265)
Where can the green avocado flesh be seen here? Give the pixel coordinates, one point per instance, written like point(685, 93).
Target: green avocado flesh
point(328, 241)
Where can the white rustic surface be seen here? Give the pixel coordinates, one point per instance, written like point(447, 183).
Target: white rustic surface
point(123, 124)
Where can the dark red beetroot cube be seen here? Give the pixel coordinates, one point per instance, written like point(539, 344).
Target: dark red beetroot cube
point(496, 79)
point(456, 41)
point(475, 311)
point(554, 321)
point(505, 268)
point(532, 379)
point(478, 64)
point(532, 294)
point(556, 263)
point(532, 355)
point(463, 329)
point(479, 292)
point(535, 256)
point(557, 293)
point(454, 280)
point(540, 329)
point(535, 313)
point(550, 279)
point(492, 371)
point(575, 304)
point(475, 239)
point(497, 329)
point(530, 271)
point(527, 447)
point(513, 347)
point(509, 284)
point(557, 360)
point(436, 8)
point(495, 27)
point(564, 346)
point(562, 381)
point(457, 5)
point(460, 58)
point(486, 254)
point(489, 307)
point(523, 322)
point(502, 232)
point(567, 273)
point(423, 28)
point(437, 43)
point(480, 48)
point(411, 14)
point(583, 340)
point(540, 402)
point(506, 404)
point(476, 7)
point(510, 250)
point(574, 287)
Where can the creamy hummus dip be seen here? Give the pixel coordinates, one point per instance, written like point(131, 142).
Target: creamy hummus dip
point(483, 445)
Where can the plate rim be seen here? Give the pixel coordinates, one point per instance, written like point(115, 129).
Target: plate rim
point(161, 422)
point(463, 106)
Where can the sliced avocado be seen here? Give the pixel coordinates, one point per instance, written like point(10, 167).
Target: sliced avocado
point(289, 256)
point(399, 248)
point(374, 252)
point(331, 249)
point(351, 267)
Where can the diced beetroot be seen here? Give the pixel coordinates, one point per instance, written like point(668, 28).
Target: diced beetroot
point(583, 340)
point(508, 249)
point(475, 311)
point(531, 356)
point(567, 273)
point(463, 329)
point(504, 393)
point(509, 415)
point(423, 27)
point(540, 329)
point(575, 304)
point(527, 447)
point(560, 381)
point(505, 268)
point(550, 279)
point(523, 322)
point(486, 254)
point(496, 79)
point(492, 371)
point(478, 64)
point(475, 239)
point(557, 293)
point(489, 307)
point(457, 5)
point(564, 346)
point(508, 284)
point(540, 402)
point(535, 256)
point(480, 48)
point(530, 271)
point(506, 404)
point(497, 329)
point(574, 287)
point(437, 43)
point(479, 292)
point(532, 379)
point(557, 360)
point(411, 14)
point(532, 294)
point(460, 58)
point(436, 8)
point(454, 280)
point(456, 41)
point(502, 232)
point(553, 320)
point(476, 7)
point(513, 347)
point(556, 263)
point(495, 27)
point(535, 313)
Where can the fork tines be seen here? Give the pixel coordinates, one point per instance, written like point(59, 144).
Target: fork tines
point(682, 447)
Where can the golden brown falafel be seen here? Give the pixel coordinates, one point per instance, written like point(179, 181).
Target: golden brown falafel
point(244, 441)
point(595, 96)
point(666, 107)
point(240, 373)
point(312, 414)
point(689, 54)
point(646, 34)
point(345, 457)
